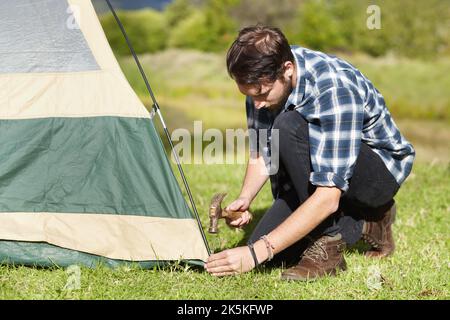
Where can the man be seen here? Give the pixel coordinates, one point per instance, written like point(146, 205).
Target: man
point(341, 158)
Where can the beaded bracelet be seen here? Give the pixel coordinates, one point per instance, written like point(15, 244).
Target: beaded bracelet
point(269, 247)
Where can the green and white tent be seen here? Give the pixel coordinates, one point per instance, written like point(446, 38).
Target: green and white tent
point(84, 177)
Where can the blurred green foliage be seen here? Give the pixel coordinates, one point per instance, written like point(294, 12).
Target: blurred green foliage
point(177, 11)
point(318, 26)
point(408, 28)
point(147, 29)
point(206, 29)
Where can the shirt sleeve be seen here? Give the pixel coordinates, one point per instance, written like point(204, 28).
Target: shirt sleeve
point(335, 136)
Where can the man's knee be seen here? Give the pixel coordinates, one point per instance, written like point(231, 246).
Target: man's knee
point(291, 124)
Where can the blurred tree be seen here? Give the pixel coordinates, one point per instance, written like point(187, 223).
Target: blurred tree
point(209, 28)
point(177, 11)
point(268, 12)
point(352, 17)
point(222, 29)
point(417, 26)
point(146, 28)
point(318, 27)
point(409, 28)
point(190, 32)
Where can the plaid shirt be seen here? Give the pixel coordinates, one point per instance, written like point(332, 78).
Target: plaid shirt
point(343, 109)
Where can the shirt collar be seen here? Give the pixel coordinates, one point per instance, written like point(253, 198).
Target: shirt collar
point(297, 94)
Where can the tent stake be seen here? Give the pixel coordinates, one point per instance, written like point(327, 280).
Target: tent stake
point(166, 131)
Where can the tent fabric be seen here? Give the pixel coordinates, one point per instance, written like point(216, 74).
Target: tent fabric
point(47, 255)
point(83, 173)
point(82, 94)
point(40, 36)
point(93, 33)
point(104, 165)
point(147, 238)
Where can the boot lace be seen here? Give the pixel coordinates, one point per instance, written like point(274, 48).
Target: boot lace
point(370, 240)
point(317, 250)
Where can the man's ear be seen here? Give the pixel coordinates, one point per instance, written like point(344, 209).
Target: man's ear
point(289, 69)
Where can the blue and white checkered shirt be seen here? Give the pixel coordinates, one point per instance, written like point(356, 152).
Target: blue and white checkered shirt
point(343, 109)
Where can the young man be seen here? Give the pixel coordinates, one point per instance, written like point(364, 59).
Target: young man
point(341, 158)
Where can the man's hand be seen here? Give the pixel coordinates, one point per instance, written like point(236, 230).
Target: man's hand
point(241, 204)
point(230, 262)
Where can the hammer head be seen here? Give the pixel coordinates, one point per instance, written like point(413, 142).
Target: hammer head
point(215, 212)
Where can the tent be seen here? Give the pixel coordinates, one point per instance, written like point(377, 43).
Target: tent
point(84, 178)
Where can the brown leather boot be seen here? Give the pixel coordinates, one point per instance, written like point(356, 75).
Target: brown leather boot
point(378, 234)
point(323, 257)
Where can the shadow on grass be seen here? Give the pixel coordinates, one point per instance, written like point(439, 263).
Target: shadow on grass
point(359, 248)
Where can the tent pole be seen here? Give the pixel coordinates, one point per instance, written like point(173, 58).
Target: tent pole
point(166, 131)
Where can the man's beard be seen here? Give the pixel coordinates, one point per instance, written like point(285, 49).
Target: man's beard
point(286, 93)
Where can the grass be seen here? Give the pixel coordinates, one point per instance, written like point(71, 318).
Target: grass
point(420, 268)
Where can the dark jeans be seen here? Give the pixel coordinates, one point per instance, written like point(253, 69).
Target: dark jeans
point(371, 188)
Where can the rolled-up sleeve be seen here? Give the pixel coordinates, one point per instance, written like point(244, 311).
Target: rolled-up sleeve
point(335, 136)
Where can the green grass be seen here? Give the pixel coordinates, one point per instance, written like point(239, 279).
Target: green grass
point(420, 268)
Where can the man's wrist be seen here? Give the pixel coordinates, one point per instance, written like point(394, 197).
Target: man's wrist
point(261, 251)
point(246, 196)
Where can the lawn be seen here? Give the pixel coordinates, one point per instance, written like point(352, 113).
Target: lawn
point(420, 268)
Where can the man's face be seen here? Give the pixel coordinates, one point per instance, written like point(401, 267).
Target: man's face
point(270, 95)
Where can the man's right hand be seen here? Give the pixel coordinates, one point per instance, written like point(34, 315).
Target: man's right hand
point(253, 182)
point(241, 204)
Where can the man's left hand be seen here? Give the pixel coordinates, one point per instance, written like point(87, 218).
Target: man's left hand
point(230, 262)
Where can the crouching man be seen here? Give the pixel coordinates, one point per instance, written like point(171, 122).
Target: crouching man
point(341, 157)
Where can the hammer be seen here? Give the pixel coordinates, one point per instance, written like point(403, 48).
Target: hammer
point(216, 212)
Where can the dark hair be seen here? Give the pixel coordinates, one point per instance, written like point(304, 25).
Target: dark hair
point(258, 54)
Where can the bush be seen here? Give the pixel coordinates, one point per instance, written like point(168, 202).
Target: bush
point(318, 28)
point(204, 30)
point(191, 33)
point(351, 18)
point(177, 11)
point(416, 27)
point(146, 29)
point(408, 28)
